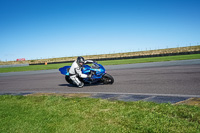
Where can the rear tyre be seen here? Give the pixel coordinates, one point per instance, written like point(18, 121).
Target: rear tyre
point(107, 79)
point(67, 78)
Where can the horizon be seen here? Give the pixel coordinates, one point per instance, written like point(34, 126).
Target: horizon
point(104, 54)
point(42, 29)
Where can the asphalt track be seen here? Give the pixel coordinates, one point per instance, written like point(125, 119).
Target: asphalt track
point(170, 81)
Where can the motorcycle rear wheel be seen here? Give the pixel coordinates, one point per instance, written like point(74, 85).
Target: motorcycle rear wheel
point(107, 79)
point(68, 79)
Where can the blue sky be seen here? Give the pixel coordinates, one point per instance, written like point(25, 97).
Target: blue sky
point(35, 29)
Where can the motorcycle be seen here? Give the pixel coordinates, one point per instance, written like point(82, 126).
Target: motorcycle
point(98, 72)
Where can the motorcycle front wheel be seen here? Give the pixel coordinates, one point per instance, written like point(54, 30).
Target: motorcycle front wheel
point(107, 79)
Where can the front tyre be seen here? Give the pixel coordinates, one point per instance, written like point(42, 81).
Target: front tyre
point(67, 78)
point(107, 79)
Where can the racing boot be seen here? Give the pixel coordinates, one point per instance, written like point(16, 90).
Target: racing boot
point(81, 85)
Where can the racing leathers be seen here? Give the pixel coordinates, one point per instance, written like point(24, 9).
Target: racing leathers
point(75, 72)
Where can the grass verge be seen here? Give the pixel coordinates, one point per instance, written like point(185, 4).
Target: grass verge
point(109, 62)
point(59, 114)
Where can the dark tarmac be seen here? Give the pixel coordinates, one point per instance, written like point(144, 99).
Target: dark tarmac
point(163, 82)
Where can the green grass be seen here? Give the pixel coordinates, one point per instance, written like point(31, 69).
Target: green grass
point(110, 62)
point(151, 59)
point(33, 67)
point(68, 115)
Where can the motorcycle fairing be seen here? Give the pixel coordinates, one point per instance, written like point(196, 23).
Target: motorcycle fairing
point(64, 70)
point(97, 69)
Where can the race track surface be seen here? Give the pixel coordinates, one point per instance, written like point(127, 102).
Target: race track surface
point(173, 78)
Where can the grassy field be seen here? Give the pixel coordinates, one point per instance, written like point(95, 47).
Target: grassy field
point(151, 59)
point(109, 62)
point(52, 114)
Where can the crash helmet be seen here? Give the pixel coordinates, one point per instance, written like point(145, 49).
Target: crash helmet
point(80, 59)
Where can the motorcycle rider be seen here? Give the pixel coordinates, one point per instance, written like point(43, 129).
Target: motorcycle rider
point(76, 71)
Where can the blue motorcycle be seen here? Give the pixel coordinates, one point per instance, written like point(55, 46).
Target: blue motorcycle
point(98, 72)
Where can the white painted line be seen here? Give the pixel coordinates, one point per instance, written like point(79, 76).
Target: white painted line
point(146, 99)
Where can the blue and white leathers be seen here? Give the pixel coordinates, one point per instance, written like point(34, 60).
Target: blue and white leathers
point(75, 71)
point(97, 71)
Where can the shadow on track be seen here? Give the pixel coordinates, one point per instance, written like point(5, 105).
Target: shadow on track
point(70, 85)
